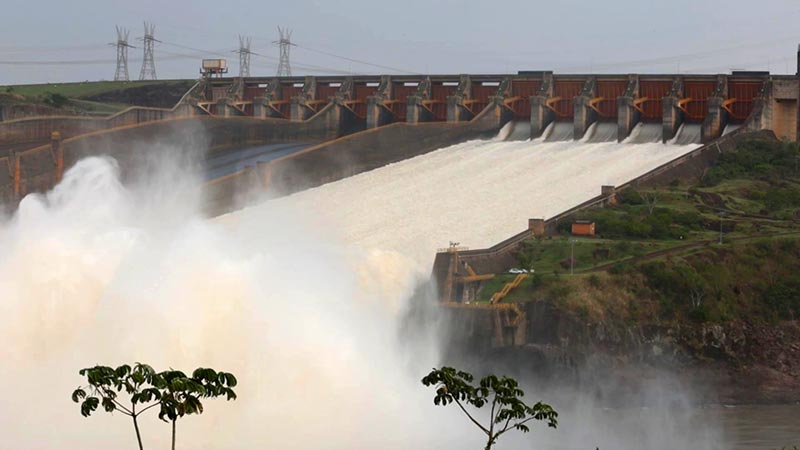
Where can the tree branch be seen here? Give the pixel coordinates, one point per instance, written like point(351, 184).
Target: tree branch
point(470, 416)
point(151, 406)
point(492, 417)
point(515, 425)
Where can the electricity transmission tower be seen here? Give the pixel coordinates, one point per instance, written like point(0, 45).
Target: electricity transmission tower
point(244, 56)
point(148, 71)
point(285, 43)
point(121, 74)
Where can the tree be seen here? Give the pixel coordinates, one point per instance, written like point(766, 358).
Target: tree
point(508, 411)
point(105, 384)
point(650, 200)
point(176, 394)
point(180, 395)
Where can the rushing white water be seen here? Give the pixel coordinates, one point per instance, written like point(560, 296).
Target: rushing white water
point(687, 134)
point(601, 132)
point(301, 297)
point(645, 133)
point(477, 193)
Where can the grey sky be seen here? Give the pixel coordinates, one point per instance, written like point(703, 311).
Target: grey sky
point(444, 36)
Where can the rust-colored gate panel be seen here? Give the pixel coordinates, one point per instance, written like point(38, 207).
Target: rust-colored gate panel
point(698, 92)
point(744, 92)
point(566, 91)
point(360, 93)
point(653, 91)
point(524, 89)
point(285, 103)
point(251, 92)
point(480, 96)
point(609, 91)
point(326, 91)
point(439, 94)
point(400, 96)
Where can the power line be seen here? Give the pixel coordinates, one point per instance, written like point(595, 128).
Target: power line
point(148, 43)
point(285, 43)
point(244, 56)
point(121, 73)
point(357, 61)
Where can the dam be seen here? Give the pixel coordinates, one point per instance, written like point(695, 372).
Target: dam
point(130, 238)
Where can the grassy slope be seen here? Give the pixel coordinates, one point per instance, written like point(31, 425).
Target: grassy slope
point(752, 275)
point(76, 90)
point(76, 94)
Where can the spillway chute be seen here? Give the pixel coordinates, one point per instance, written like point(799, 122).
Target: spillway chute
point(645, 133)
point(601, 132)
point(688, 133)
point(559, 132)
point(516, 131)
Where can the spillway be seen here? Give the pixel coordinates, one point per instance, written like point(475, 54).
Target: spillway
point(645, 133)
point(688, 133)
point(476, 193)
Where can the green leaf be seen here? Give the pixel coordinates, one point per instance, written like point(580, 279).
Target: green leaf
point(78, 394)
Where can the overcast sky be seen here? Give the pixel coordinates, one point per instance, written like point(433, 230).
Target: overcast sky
point(417, 36)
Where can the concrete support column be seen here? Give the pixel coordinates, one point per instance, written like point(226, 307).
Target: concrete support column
point(57, 151)
point(260, 107)
point(715, 121)
point(609, 193)
point(627, 117)
point(584, 116)
point(541, 115)
point(298, 110)
point(377, 114)
point(416, 112)
point(672, 118)
point(456, 111)
point(536, 226)
point(716, 116)
point(224, 109)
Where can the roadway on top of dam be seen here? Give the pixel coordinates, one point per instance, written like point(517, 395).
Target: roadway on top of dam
point(226, 163)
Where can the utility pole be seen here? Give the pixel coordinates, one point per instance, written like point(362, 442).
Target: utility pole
point(148, 71)
point(244, 56)
point(572, 257)
point(121, 74)
point(285, 43)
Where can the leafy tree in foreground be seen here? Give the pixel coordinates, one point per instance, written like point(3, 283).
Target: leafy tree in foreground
point(175, 393)
point(106, 384)
point(181, 395)
point(503, 395)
